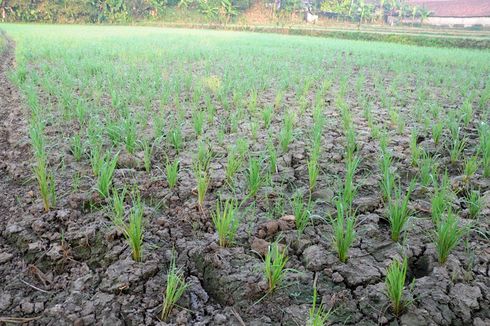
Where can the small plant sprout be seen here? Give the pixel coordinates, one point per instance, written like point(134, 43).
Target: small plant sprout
point(274, 266)
point(318, 314)
point(395, 284)
point(176, 138)
point(46, 184)
point(147, 153)
point(343, 231)
point(267, 116)
point(272, 156)
point(172, 173)
point(301, 211)
point(198, 118)
point(226, 222)
point(439, 200)
point(254, 179)
point(437, 129)
point(286, 132)
point(427, 169)
point(457, 147)
point(176, 287)
point(448, 234)
point(202, 180)
point(349, 189)
point(106, 172)
point(398, 212)
point(474, 203)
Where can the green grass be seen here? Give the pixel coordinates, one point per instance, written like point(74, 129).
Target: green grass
point(343, 231)
point(398, 211)
point(447, 236)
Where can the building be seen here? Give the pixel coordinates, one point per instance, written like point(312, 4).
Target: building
point(455, 12)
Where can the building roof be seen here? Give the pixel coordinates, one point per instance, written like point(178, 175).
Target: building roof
point(454, 8)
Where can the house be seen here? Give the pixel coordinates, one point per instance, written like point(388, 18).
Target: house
point(455, 12)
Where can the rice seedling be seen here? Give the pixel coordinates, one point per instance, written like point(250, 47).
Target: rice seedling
point(467, 112)
point(147, 154)
point(76, 147)
point(415, 151)
point(474, 203)
point(470, 167)
point(130, 134)
point(198, 118)
point(317, 315)
point(96, 158)
point(457, 147)
point(106, 172)
point(202, 180)
point(254, 179)
point(301, 212)
point(233, 164)
point(36, 130)
point(447, 236)
point(395, 284)
point(343, 231)
point(133, 231)
point(46, 184)
point(398, 212)
point(172, 173)
point(286, 133)
point(174, 290)
point(254, 129)
point(313, 172)
point(204, 156)
point(267, 116)
point(226, 222)
point(274, 266)
point(272, 156)
point(437, 129)
point(349, 189)
point(438, 202)
point(175, 137)
point(484, 148)
point(118, 207)
point(427, 169)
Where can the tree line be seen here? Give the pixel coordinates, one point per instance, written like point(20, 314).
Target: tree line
point(120, 11)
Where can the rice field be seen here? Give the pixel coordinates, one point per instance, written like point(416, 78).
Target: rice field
point(193, 177)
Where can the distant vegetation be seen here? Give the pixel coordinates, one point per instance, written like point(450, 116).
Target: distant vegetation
point(221, 11)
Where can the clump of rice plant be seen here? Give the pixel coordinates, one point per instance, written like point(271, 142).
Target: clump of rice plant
point(470, 167)
point(457, 147)
point(286, 132)
point(313, 172)
point(467, 112)
point(349, 189)
point(204, 156)
point(226, 222)
point(395, 284)
point(106, 172)
point(427, 169)
point(267, 116)
point(398, 212)
point(76, 147)
point(130, 134)
point(147, 153)
point(437, 129)
point(474, 203)
point(484, 148)
point(118, 207)
point(198, 118)
point(447, 236)
point(233, 165)
point(172, 173)
point(272, 157)
point(202, 180)
point(387, 175)
point(176, 287)
point(439, 200)
point(318, 315)
point(254, 179)
point(343, 231)
point(46, 183)
point(175, 137)
point(274, 266)
point(301, 212)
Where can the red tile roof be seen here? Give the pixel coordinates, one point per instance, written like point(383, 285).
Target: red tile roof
point(455, 8)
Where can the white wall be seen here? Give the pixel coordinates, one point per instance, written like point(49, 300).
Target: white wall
point(466, 21)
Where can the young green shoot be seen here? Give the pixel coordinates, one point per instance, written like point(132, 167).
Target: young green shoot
point(395, 284)
point(343, 231)
point(447, 236)
point(106, 172)
point(398, 212)
point(226, 222)
point(174, 290)
point(274, 266)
